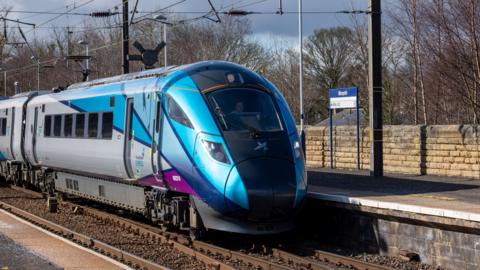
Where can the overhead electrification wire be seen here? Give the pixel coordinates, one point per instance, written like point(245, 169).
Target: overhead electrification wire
point(269, 12)
point(224, 10)
point(37, 13)
point(63, 14)
point(52, 60)
point(161, 10)
point(133, 13)
point(215, 12)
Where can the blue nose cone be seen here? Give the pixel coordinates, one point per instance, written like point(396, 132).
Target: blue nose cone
point(235, 190)
point(264, 187)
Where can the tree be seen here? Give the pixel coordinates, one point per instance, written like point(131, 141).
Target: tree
point(328, 56)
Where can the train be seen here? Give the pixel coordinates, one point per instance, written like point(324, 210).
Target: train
point(204, 146)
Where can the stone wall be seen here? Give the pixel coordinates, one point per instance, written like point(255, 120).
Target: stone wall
point(390, 232)
point(435, 150)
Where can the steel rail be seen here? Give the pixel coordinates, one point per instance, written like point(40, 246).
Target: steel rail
point(177, 241)
point(343, 260)
point(199, 249)
point(88, 242)
point(256, 262)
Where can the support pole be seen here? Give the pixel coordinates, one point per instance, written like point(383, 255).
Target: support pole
point(330, 112)
point(358, 131)
point(300, 41)
point(5, 81)
point(38, 74)
point(125, 36)
point(16, 87)
point(68, 43)
point(375, 88)
point(88, 63)
point(166, 44)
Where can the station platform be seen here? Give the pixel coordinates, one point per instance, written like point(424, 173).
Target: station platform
point(434, 217)
point(25, 246)
point(427, 195)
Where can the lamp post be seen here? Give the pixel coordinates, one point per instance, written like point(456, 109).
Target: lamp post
point(300, 41)
point(162, 19)
point(16, 87)
point(85, 43)
point(4, 81)
point(38, 70)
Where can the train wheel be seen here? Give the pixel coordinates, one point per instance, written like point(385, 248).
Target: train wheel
point(52, 204)
point(166, 227)
point(197, 234)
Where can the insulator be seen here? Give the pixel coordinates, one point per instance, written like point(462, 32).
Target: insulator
point(102, 14)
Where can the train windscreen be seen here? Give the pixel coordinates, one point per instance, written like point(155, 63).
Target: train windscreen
point(245, 110)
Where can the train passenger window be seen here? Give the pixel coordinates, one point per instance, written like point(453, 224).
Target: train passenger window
point(68, 126)
point(80, 125)
point(47, 126)
point(92, 125)
point(107, 125)
point(57, 125)
point(176, 113)
point(3, 127)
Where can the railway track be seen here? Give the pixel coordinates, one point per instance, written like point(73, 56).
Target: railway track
point(105, 249)
point(213, 256)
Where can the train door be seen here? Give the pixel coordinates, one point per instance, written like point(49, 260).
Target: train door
point(12, 133)
point(156, 159)
point(129, 139)
point(34, 136)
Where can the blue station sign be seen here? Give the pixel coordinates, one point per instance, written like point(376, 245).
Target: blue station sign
point(343, 98)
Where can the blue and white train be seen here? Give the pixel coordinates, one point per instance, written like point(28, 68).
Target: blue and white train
point(210, 145)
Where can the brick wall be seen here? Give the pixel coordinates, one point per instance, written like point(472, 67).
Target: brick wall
point(436, 150)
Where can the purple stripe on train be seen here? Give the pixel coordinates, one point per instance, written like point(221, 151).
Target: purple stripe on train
point(177, 183)
point(152, 180)
point(171, 179)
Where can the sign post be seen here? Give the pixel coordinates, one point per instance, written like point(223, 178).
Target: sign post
point(344, 98)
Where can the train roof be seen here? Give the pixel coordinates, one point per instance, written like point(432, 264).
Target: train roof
point(157, 72)
point(32, 93)
point(193, 68)
point(25, 95)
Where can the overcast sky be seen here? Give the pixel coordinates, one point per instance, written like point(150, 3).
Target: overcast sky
point(266, 27)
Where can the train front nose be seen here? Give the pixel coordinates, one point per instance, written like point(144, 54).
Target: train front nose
point(269, 185)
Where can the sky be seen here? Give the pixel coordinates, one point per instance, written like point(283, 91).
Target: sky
point(266, 28)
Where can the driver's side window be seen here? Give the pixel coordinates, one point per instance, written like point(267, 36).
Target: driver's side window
point(176, 113)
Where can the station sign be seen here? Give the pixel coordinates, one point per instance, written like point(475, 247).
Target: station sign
point(343, 98)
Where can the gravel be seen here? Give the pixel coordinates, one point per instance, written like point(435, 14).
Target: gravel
point(147, 248)
point(163, 254)
point(259, 247)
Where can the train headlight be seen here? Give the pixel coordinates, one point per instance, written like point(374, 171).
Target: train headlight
point(297, 147)
point(216, 151)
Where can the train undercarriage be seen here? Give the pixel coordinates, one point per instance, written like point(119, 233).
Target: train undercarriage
point(167, 209)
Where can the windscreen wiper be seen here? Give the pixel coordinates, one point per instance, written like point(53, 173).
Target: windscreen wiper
point(219, 112)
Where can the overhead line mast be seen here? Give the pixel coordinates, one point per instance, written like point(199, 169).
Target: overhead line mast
point(125, 36)
point(375, 87)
